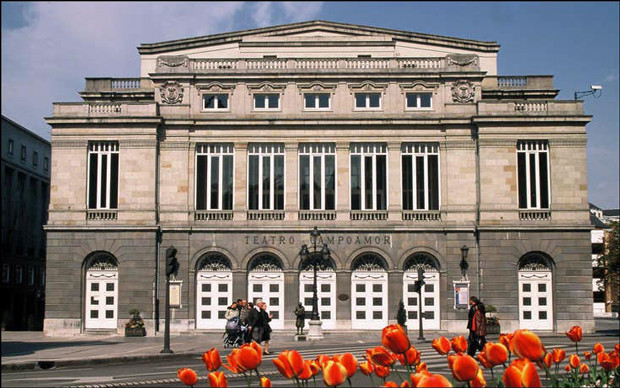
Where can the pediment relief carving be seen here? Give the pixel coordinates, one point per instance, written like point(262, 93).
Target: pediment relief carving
point(419, 86)
point(174, 61)
point(463, 60)
point(317, 86)
point(266, 87)
point(368, 86)
point(216, 87)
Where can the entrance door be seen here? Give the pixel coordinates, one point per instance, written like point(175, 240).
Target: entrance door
point(101, 299)
point(268, 286)
point(535, 300)
point(430, 300)
point(213, 296)
point(326, 293)
point(369, 300)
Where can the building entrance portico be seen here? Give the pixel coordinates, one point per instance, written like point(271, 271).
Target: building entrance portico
point(369, 293)
point(266, 282)
point(213, 291)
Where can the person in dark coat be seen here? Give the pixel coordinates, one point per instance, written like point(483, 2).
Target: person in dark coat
point(266, 317)
point(476, 324)
point(256, 322)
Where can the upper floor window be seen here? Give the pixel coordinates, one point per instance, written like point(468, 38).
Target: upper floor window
point(19, 274)
point(31, 275)
point(317, 176)
point(6, 273)
point(46, 163)
point(266, 101)
point(35, 158)
point(266, 176)
point(214, 177)
point(533, 174)
point(215, 102)
point(419, 101)
point(24, 153)
point(11, 147)
point(420, 170)
point(314, 101)
point(103, 175)
point(368, 176)
point(368, 100)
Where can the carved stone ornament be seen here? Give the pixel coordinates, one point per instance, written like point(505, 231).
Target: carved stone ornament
point(463, 91)
point(462, 60)
point(368, 86)
point(171, 92)
point(173, 61)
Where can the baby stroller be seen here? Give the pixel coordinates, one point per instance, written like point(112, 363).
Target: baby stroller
point(233, 337)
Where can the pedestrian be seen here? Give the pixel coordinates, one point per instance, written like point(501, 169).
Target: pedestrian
point(300, 313)
point(231, 312)
point(267, 317)
point(476, 324)
point(243, 318)
point(256, 322)
point(480, 325)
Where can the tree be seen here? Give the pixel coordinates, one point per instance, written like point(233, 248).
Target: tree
point(609, 263)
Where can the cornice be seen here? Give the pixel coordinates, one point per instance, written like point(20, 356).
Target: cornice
point(175, 145)
point(69, 144)
point(568, 142)
point(137, 143)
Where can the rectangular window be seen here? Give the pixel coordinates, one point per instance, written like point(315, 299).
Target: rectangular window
point(31, 275)
point(533, 174)
point(317, 101)
point(19, 274)
point(266, 101)
point(368, 100)
point(46, 164)
point(103, 175)
point(368, 176)
point(215, 101)
point(317, 176)
point(35, 158)
point(420, 176)
point(24, 153)
point(419, 100)
point(11, 147)
point(266, 177)
point(214, 176)
point(6, 273)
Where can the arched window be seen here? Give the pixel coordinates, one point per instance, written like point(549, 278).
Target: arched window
point(101, 291)
point(431, 302)
point(214, 290)
point(369, 262)
point(421, 260)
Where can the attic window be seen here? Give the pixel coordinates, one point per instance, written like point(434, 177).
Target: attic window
point(364, 56)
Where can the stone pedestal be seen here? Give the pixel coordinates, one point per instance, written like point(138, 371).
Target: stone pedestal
point(315, 332)
point(301, 337)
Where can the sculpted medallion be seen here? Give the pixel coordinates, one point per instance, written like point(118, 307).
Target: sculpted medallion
point(171, 93)
point(463, 91)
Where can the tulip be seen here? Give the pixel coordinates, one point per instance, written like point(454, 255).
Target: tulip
point(451, 358)
point(405, 383)
point(250, 356)
point(436, 380)
point(306, 372)
point(558, 355)
point(526, 344)
point(464, 367)
point(506, 339)
point(366, 368)
point(314, 367)
point(212, 359)
point(459, 344)
point(441, 345)
point(382, 371)
point(567, 368)
point(479, 380)
point(410, 357)
point(187, 376)
point(548, 360)
point(419, 375)
point(521, 373)
point(394, 338)
point(608, 361)
point(421, 367)
point(587, 355)
point(334, 373)
point(482, 358)
point(598, 348)
point(390, 384)
point(617, 348)
point(233, 366)
point(574, 361)
point(217, 379)
point(265, 382)
point(349, 361)
point(380, 356)
point(584, 368)
point(496, 353)
point(289, 363)
point(574, 334)
point(322, 359)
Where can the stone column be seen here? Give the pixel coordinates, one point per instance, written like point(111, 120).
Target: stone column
point(290, 180)
point(291, 298)
point(241, 184)
point(343, 307)
point(343, 205)
point(240, 284)
point(395, 294)
point(394, 182)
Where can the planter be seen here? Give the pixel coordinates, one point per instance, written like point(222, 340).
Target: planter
point(493, 329)
point(135, 332)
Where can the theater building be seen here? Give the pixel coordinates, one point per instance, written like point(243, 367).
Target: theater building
point(405, 150)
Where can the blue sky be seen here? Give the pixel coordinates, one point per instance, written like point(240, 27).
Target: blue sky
point(49, 48)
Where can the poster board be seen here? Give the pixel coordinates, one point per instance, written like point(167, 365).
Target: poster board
point(461, 294)
point(175, 293)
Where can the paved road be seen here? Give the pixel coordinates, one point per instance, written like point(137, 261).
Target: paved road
point(163, 372)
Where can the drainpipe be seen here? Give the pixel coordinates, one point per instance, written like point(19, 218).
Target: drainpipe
point(477, 222)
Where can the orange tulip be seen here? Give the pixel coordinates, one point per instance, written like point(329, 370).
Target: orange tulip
point(366, 368)
point(322, 359)
point(217, 379)
point(459, 344)
point(558, 355)
point(431, 380)
point(289, 363)
point(314, 367)
point(598, 348)
point(587, 355)
point(506, 339)
point(405, 383)
point(394, 338)
point(521, 373)
point(584, 368)
point(482, 359)
point(187, 376)
point(567, 368)
point(232, 362)
point(265, 382)
point(574, 361)
point(574, 334)
point(422, 367)
point(212, 359)
point(441, 345)
point(496, 353)
point(526, 344)
point(479, 380)
point(548, 360)
point(380, 356)
point(608, 361)
point(306, 372)
point(349, 361)
point(250, 356)
point(410, 357)
point(464, 367)
point(390, 384)
point(334, 373)
point(382, 371)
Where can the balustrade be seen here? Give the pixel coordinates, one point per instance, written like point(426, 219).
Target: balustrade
point(534, 215)
point(421, 216)
point(210, 215)
point(309, 215)
point(364, 215)
point(104, 109)
point(101, 215)
point(265, 215)
point(531, 106)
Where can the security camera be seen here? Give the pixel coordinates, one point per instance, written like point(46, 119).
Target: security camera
point(596, 87)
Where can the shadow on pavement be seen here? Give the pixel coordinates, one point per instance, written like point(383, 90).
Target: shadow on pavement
point(18, 348)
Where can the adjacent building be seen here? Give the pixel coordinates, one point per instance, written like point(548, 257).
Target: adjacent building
point(25, 175)
point(405, 150)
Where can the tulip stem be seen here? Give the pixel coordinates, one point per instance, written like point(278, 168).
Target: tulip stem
point(399, 375)
point(372, 382)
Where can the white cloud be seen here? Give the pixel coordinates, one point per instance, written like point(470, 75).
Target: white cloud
point(611, 78)
point(46, 60)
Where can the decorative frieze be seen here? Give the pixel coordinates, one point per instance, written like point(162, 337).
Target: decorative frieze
point(368, 86)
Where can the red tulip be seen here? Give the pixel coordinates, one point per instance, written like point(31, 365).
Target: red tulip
point(598, 348)
point(419, 375)
point(496, 353)
point(587, 355)
point(479, 380)
point(334, 373)
point(306, 372)
point(459, 344)
point(421, 367)
point(405, 383)
point(250, 356)
point(432, 380)
point(608, 361)
point(558, 355)
point(441, 345)
point(232, 362)
point(526, 344)
point(349, 361)
point(574, 361)
point(482, 358)
point(212, 359)
point(410, 357)
point(314, 367)
point(217, 379)
point(574, 334)
point(464, 367)
point(289, 363)
point(187, 376)
point(380, 356)
point(322, 359)
point(548, 360)
point(394, 338)
point(567, 368)
point(265, 382)
point(390, 384)
point(584, 368)
point(505, 340)
point(382, 371)
point(521, 373)
point(366, 368)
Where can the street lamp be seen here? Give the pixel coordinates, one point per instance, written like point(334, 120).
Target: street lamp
point(315, 257)
point(595, 91)
point(464, 265)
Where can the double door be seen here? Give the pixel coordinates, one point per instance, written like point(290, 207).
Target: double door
point(535, 300)
point(430, 300)
point(326, 294)
point(268, 286)
point(213, 296)
point(101, 299)
point(369, 300)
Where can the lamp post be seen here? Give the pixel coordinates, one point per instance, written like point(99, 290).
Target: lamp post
point(418, 286)
point(464, 265)
point(595, 91)
point(315, 331)
point(172, 268)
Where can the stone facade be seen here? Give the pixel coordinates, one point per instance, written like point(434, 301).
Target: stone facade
point(155, 128)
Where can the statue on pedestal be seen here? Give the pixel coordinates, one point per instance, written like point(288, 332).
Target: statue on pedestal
point(300, 313)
